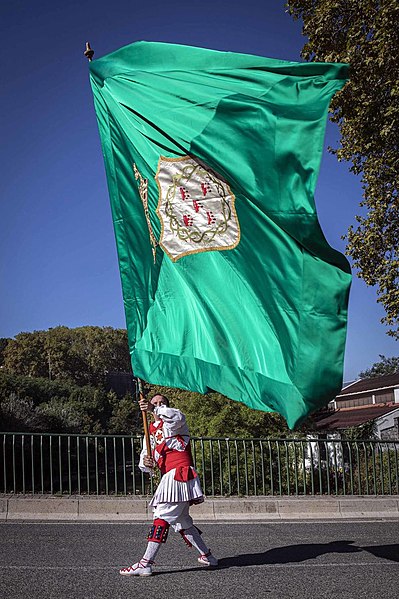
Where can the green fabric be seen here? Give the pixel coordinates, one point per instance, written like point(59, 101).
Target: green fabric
point(263, 323)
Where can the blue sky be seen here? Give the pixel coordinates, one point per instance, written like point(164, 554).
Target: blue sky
point(58, 259)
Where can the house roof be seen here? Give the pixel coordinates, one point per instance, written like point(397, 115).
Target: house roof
point(371, 384)
point(347, 417)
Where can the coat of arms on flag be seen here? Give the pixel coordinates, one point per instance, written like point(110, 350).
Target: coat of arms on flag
point(196, 208)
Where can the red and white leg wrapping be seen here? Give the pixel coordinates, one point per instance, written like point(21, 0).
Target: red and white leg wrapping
point(192, 538)
point(159, 531)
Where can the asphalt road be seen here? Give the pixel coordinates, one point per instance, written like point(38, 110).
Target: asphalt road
point(279, 560)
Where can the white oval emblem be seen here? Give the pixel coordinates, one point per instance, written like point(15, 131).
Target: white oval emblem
point(195, 207)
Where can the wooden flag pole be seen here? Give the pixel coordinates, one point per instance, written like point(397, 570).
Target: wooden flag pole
point(145, 421)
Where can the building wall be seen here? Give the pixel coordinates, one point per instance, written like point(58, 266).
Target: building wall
point(358, 400)
point(387, 427)
point(369, 398)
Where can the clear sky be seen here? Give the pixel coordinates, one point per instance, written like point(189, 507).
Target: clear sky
point(58, 258)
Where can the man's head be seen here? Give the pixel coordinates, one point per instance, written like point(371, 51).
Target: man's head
point(159, 400)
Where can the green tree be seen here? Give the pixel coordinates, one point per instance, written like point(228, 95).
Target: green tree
point(126, 417)
point(384, 366)
point(365, 33)
point(367, 430)
point(3, 344)
point(26, 355)
point(41, 405)
point(82, 356)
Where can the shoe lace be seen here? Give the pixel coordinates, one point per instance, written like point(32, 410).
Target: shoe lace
point(150, 562)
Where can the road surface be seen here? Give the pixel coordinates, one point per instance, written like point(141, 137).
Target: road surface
point(276, 560)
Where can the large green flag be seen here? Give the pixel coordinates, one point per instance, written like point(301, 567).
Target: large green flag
point(228, 282)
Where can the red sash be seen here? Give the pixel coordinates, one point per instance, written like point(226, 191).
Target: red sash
point(172, 458)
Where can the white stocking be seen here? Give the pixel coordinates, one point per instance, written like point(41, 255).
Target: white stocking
point(151, 551)
point(193, 536)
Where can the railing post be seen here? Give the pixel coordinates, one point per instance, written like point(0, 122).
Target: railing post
point(280, 485)
point(13, 465)
point(271, 468)
point(96, 463)
point(220, 467)
point(115, 469)
point(211, 464)
point(60, 462)
point(254, 468)
point(245, 468)
point(32, 464)
point(87, 467)
point(228, 463)
point(389, 469)
point(295, 468)
point(124, 465)
point(304, 474)
point(69, 465)
point(4, 464)
point(238, 468)
point(366, 468)
point(311, 467)
point(262, 458)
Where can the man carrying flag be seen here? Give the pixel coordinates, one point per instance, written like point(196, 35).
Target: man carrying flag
point(179, 487)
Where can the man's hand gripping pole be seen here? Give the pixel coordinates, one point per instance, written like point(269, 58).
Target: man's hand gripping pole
point(145, 421)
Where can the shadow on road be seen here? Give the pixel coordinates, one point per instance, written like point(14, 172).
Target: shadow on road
point(386, 551)
point(289, 554)
point(301, 553)
point(297, 553)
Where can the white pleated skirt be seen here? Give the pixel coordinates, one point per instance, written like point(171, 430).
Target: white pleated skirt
point(170, 490)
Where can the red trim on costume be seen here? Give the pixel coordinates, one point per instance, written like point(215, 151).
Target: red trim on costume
point(169, 458)
point(187, 542)
point(159, 531)
point(185, 473)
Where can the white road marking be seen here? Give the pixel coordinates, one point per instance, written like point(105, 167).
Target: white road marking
point(174, 568)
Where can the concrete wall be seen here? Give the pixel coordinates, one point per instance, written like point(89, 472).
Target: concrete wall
point(82, 508)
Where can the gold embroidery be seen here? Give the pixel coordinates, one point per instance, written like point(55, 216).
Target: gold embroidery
point(212, 233)
point(143, 192)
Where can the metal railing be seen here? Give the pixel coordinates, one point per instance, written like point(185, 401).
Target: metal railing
point(40, 463)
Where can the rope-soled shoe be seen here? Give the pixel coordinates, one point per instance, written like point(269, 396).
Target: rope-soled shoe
point(207, 559)
point(141, 568)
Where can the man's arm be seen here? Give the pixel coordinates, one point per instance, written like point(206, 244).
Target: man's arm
point(171, 417)
point(146, 462)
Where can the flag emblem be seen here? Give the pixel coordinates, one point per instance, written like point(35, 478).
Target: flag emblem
point(196, 208)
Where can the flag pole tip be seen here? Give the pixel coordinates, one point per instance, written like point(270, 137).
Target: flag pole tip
point(89, 52)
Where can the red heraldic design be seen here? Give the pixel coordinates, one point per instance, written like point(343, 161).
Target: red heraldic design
point(196, 207)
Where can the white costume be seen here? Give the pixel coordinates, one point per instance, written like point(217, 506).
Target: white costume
point(178, 489)
point(180, 485)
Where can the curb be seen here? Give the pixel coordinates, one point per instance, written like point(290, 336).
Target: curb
point(83, 508)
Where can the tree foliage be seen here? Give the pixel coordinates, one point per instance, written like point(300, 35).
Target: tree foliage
point(381, 368)
point(82, 356)
point(54, 380)
point(365, 33)
point(39, 405)
point(3, 344)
